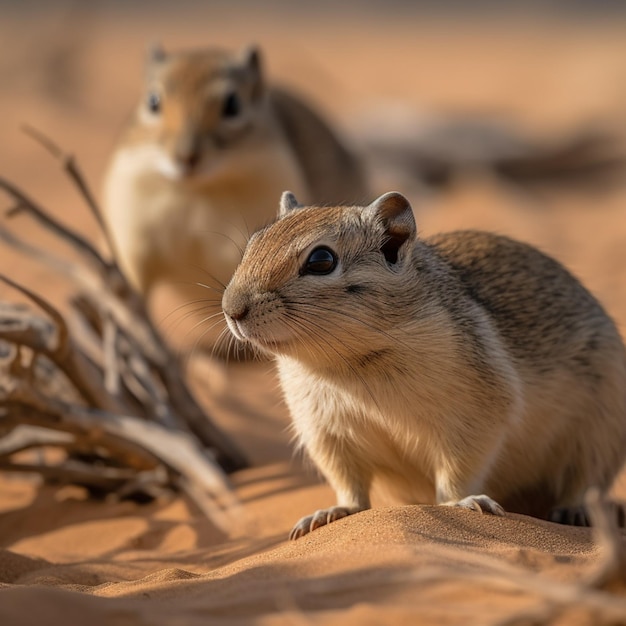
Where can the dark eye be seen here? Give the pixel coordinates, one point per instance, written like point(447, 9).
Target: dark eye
point(321, 261)
point(232, 106)
point(154, 102)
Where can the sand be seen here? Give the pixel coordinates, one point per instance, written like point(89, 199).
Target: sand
point(64, 559)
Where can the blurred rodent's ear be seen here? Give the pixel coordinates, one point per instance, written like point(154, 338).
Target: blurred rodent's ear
point(288, 203)
point(252, 61)
point(396, 214)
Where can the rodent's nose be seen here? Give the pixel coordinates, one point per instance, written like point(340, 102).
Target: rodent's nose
point(189, 159)
point(240, 313)
point(235, 305)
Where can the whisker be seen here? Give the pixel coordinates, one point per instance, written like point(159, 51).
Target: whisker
point(321, 333)
point(198, 341)
point(189, 284)
point(228, 237)
point(214, 278)
point(175, 324)
point(316, 305)
point(224, 336)
point(236, 346)
point(295, 325)
point(203, 301)
point(247, 234)
point(208, 318)
point(209, 287)
point(182, 283)
point(232, 224)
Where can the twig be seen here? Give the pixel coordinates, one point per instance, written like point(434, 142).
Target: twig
point(104, 479)
point(26, 204)
point(39, 338)
point(140, 444)
point(111, 366)
point(71, 167)
point(24, 437)
point(46, 258)
point(62, 332)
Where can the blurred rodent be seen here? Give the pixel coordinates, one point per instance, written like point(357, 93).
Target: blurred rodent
point(465, 369)
point(206, 154)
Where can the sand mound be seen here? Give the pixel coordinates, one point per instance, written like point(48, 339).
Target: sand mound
point(404, 563)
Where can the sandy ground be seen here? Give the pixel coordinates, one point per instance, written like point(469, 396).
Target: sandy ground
point(75, 75)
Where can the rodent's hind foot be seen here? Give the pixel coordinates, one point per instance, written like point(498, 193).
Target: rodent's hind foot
point(482, 504)
point(322, 517)
point(579, 516)
point(570, 516)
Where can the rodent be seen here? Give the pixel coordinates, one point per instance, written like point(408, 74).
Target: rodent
point(205, 156)
point(465, 368)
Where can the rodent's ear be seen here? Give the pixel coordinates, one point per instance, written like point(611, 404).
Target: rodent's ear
point(288, 203)
point(252, 61)
point(396, 214)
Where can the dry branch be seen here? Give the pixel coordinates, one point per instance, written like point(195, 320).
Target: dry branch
point(25, 437)
point(436, 152)
point(101, 385)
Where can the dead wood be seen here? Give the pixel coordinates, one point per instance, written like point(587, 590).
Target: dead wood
point(100, 384)
point(438, 152)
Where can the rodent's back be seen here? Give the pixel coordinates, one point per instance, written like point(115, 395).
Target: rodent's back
point(571, 360)
point(537, 305)
point(332, 172)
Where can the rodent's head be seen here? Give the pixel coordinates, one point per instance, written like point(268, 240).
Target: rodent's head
point(323, 280)
point(199, 105)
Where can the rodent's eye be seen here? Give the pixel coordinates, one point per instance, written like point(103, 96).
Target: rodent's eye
point(154, 102)
point(232, 105)
point(321, 261)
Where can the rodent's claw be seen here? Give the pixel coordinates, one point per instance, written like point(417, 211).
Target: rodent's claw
point(322, 517)
point(482, 504)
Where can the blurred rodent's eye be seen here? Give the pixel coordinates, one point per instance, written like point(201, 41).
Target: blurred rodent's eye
point(154, 102)
point(321, 261)
point(232, 105)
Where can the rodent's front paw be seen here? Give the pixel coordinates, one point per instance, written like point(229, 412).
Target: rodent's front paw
point(482, 504)
point(321, 517)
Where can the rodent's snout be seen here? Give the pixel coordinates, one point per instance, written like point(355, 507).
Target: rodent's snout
point(253, 316)
point(236, 309)
point(240, 313)
point(235, 305)
point(188, 160)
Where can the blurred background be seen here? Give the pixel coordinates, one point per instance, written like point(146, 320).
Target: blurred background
point(410, 84)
